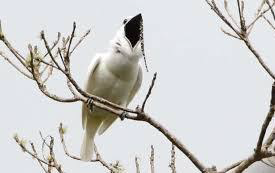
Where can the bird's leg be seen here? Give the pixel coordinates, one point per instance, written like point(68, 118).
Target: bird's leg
point(90, 104)
point(123, 115)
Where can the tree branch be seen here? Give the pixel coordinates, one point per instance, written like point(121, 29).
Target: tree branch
point(172, 164)
point(149, 92)
point(98, 156)
point(152, 159)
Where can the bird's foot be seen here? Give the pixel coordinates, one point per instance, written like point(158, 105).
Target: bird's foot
point(90, 104)
point(123, 115)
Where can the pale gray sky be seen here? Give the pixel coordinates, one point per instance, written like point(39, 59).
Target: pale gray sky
point(210, 92)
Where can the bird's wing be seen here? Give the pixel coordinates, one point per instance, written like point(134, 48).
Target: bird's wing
point(106, 124)
point(88, 84)
point(109, 121)
point(136, 86)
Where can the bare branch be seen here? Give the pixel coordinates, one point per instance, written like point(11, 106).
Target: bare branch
point(70, 42)
point(15, 66)
point(24, 149)
point(264, 128)
point(152, 159)
point(1, 31)
point(98, 156)
point(149, 92)
point(258, 16)
point(270, 164)
point(267, 121)
point(242, 35)
point(241, 15)
point(229, 13)
point(260, 60)
point(214, 7)
point(80, 40)
point(234, 165)
point(19, 57)
point(42, 87)
point(55, 43)
point(48, 64)
point(49, 51)
point(260, 8)
point(50, 72)
point(172, 164)
point(269, 23)
point(229, 34)
point(252, 159)
point(40, 163)
point(271, 9)
point(137, 165)
point(61, 57)
point(174, 141)
point(270, 139)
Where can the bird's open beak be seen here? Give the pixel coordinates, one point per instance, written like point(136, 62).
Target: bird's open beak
point(133, 29)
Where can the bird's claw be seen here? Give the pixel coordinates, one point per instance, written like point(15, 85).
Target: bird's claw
point(123, 115)
point(90, 104)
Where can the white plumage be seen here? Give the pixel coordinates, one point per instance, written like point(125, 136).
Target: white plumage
point(115, 76)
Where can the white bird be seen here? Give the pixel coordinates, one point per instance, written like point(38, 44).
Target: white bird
point(116, 76)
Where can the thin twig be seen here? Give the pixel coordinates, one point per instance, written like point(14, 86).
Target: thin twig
point(252, 159)
point(260, 8)
point(15, 66)
point(49, 51)
point(260, 60)
point(242, 35)
point(152, 159)
point(149, 92)
point(270, 164)
point(42, 87)
point(44, 142)
point(229, 14)
point(271, 9)
point(79, 41)
point(250, 26)
point(229, 34)
point(50, 72)
point(269, 22)
point(242, 20)
point(51, 156)
point(61, 57)
point(137, 165)
point(270, 139)
point(234, 165)
point(35, 153)
point(264, 128)
point(98, 156)
point(55, 43)
point(48, 64)
point(67, 57)
point(266, 121)
point(23, 147)
point(19, 57)
point(172, 164)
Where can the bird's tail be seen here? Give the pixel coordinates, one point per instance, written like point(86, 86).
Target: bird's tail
point(87, 147)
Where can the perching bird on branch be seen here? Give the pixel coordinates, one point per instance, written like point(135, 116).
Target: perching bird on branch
point(115, 76)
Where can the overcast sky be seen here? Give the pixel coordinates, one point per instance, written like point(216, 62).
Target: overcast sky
point(210, 91)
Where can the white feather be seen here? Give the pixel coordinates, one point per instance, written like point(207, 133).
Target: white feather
point(115, 76)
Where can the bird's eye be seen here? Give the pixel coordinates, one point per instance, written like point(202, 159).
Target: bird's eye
point(125, 21)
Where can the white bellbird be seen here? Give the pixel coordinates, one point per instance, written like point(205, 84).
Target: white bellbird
point(115, 76)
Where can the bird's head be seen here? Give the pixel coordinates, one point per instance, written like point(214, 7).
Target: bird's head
point(128, 38)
